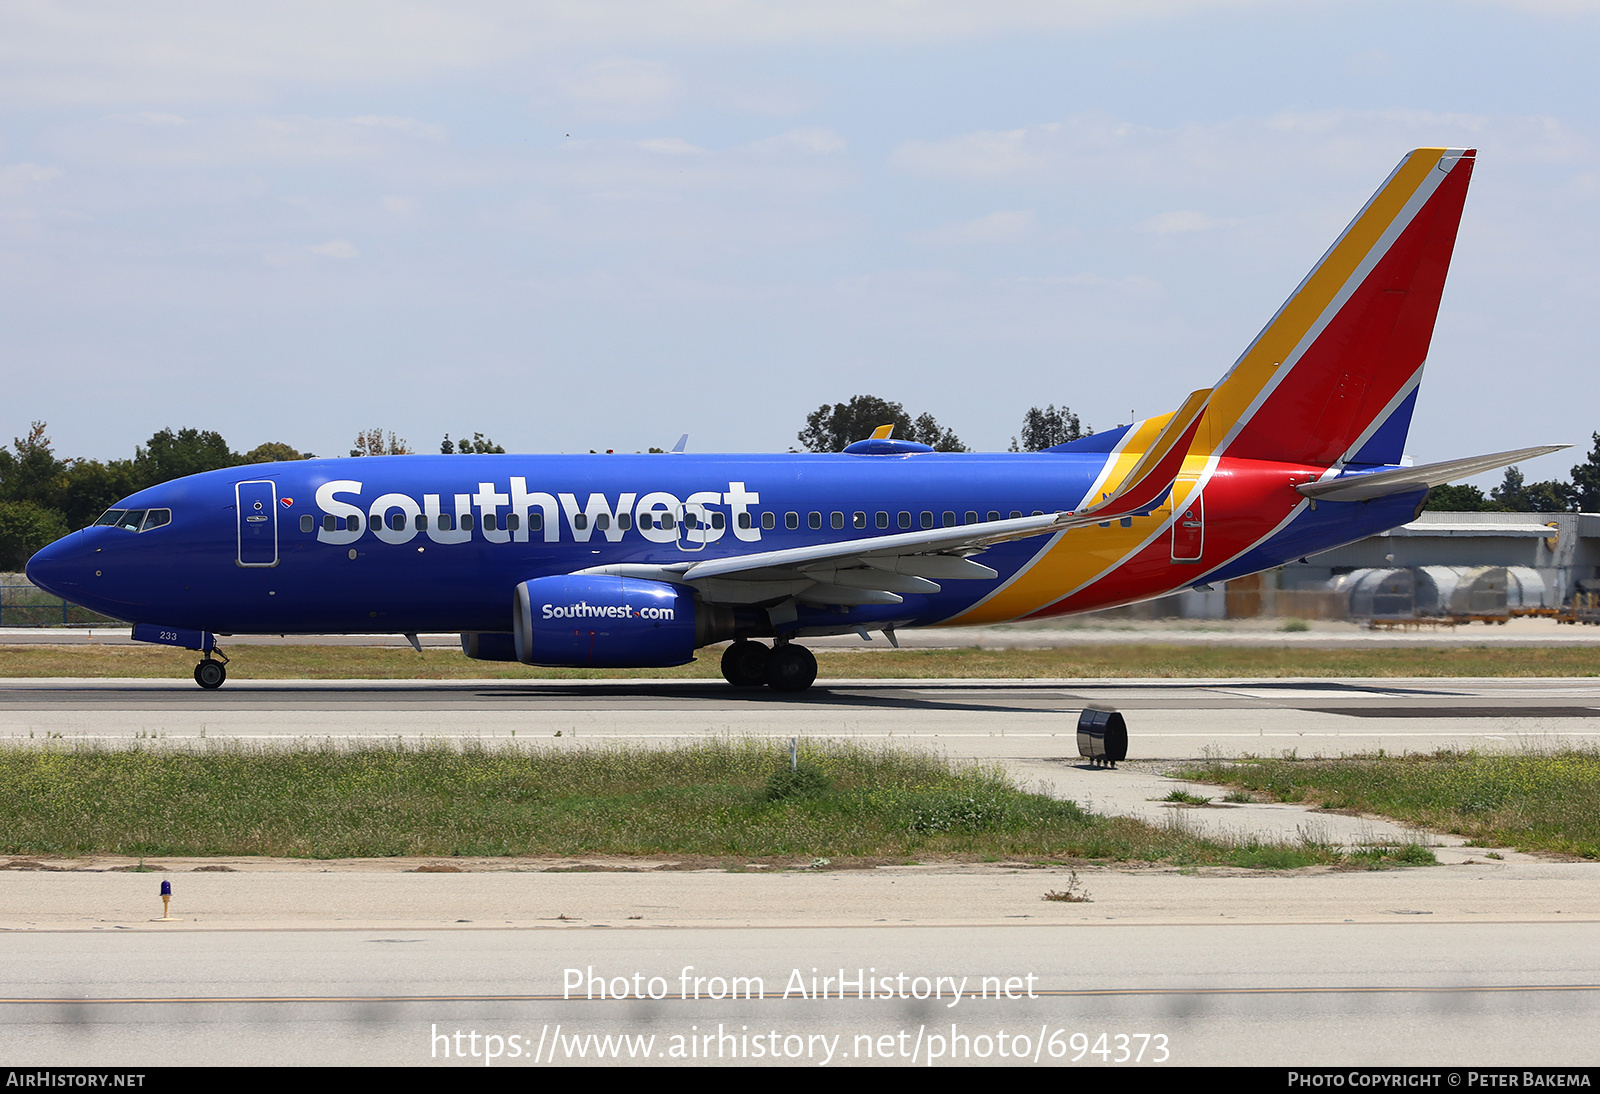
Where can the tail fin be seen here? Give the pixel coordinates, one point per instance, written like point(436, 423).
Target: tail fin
point(1333, 377)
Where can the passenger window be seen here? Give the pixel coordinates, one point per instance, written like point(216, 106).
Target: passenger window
point(972, 518)
point(447, 523)
point(1016, 514)
point(905, 520)
point(769, 521)
point(949, 520)
point(719, 520)
point(838, 520)
point(490, 523)
point(624, 521)
point(131, 520)
point(668, 521)
point(859, 520)
point(883, 520)
point(691, 520)
point(580, 521)
point(354, 524)
point(927, 520)
point(535, 522)
point(422, 522)
point(815, 520)
point(329, 522)
point(646, 521)
point(602, 522)
point(1038, 512)
point(397, 521)
point(791, 521)
point(993, 515)
point(307, 522)
point(744, 520)
point(513, 521)
point(466, 522)
point(158, 517)
point(110, 516)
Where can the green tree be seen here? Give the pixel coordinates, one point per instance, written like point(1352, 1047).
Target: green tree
point(89, 487)
point(274, 452)
point(31, 471)
point(935, 436)
point(1457, 498)
point(26, 526)
point(479, 444)
point(1586, 481)
point(370, 442)
point(831, 428)
point(1514, 495)
point(172, 455)
point(1042, 429)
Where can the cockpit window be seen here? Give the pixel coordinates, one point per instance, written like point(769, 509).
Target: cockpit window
point(135, 520)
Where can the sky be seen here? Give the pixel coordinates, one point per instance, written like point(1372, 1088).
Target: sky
point(576, 226)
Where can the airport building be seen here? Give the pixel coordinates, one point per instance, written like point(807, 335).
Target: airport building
point(1439, 565)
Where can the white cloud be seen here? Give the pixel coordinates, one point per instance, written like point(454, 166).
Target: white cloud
point(106, 52)
point(619, 89)
point(809, 140)
point(1241, 154)
point(1184, 220)
point(670, 146)
point(17, 178)
point(125, 141)
point(409, 127)
point(1005, 226)
point(336, 248)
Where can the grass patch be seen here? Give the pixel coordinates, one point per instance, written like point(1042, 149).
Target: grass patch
point(1183, 797)
point(1067, 662)
point(726, 799)
point(1533, 801)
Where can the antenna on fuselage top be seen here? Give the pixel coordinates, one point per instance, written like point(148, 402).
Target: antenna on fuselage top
point(683, 443)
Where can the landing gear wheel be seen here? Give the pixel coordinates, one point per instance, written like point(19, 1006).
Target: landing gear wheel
point(210, 674)
point(744, 664)
point(791, 668)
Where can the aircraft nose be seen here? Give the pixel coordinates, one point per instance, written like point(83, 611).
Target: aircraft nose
point(59, 567)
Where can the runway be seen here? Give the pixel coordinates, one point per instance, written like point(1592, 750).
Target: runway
point(981, 719)
point(1174, 994)
point(1472, 962)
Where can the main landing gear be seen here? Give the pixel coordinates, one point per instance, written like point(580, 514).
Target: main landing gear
point(789, 667)
point(210, 674)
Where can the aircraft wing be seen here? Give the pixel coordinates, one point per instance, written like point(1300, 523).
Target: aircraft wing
point(1363, 486)
point(877, 569)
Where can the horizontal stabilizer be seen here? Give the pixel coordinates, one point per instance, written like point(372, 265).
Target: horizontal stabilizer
point(1404, 480)
point(1150, 479)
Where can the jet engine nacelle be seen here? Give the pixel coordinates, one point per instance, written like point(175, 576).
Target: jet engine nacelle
point(583, 621)
point(489, 646)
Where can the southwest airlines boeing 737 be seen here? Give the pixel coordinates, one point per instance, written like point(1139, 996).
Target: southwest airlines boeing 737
point(635, 561)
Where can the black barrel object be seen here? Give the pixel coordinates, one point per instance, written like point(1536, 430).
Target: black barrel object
point(1102, 737)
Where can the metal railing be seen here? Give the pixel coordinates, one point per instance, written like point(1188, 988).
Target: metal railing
point(31, 606)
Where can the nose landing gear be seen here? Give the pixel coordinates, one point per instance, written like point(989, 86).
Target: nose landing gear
point(210, 674)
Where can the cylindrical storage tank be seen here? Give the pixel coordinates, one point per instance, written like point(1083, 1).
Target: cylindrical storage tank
point(1442, 581)
point(599, 621)
point(1525, 588)
point(1482, 591)
point(1102, 736)
point(1386, 592)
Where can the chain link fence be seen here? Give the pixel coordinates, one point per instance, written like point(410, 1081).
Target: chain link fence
point(26, 605)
